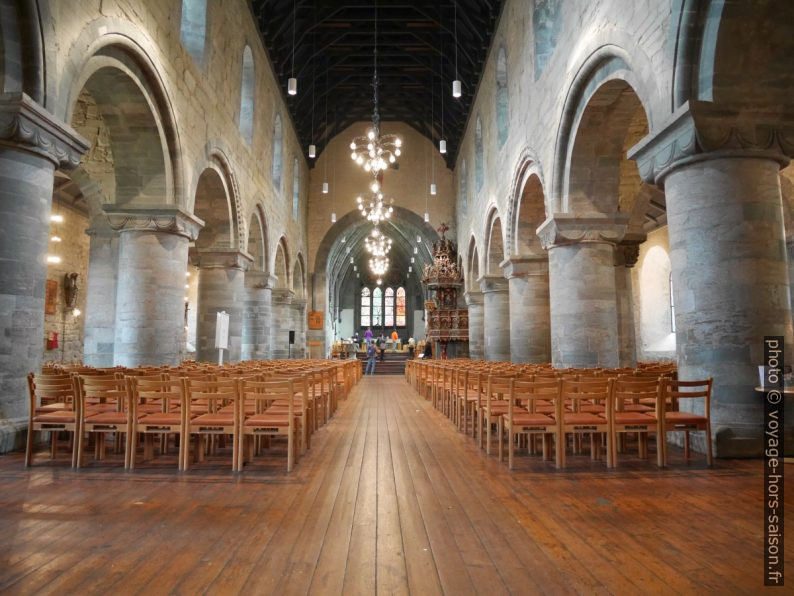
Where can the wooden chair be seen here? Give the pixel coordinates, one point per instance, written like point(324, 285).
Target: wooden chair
point(630, 416)
point(270, 421)
point(169, 395)
point(205, 415)
point(494, 407)
point(527, 415)
point(572, 421)
point(675, 420)
point(53, 409)
point(104, 408)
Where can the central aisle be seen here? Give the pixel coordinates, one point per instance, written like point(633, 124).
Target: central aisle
point(391, 499)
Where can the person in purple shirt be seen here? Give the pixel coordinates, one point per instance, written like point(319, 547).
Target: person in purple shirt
point(368, 335)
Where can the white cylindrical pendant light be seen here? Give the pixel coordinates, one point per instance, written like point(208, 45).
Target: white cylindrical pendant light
point(433, 188)
point(442, 146)
point(456, 88)
point(418, 239)
point(333, 220)
point(427, 218)
point(325, 188)
point(416, 250)
point(312, 151)
point(292, 86)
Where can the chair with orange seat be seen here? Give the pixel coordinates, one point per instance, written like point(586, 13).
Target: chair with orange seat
point(206, 415)
point(53, 409)
point(104, 409)
point(270, 420)
point(528, 414)
point(595, 396)
point(629, 415)
point(167, 418)
point(672, 419)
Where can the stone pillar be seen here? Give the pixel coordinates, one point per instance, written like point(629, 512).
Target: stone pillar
point(32, 144)
point(100, 307)
point(496, 317)
point(282, 322)
point(150, 305)
point(530, 329)
point(728, 256)
point(221, 287)
point(299, 325)
point(626, 256)
point(257, 317)
point(584, 322)
point(474, 301)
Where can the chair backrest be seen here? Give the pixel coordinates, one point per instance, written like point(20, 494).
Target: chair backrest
point(670, 391)
point(56, 387)
point(532, 392)
point(575, 392)
point(106, 388)
point(265, 393)
point(171, 390)
point(627, 389)
point(213, 393)
point(497, 387)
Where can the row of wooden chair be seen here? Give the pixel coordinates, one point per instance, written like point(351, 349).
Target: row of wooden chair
point(248, 403)
point(524, 404)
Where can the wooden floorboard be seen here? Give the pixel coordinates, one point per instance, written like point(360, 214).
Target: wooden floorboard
point(391, 498)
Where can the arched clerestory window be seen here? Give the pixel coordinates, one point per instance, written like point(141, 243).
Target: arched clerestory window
point(296, 188)
point(277, 158)
point(502, 113)
point(366, 307)
point(247, 80)
point(478, 155)
point(193, 28)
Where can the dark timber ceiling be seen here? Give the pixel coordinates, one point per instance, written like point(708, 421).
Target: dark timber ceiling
point(334, 43)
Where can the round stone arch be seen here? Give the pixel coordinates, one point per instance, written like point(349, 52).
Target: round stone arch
point(257, 238)
point(472, 265)
point(527, 206)
point(214, 204)
point(216, 159)
point(279, 266)
point(495, 247)
point(609, 67)
point(299, 278)
point(118, 44)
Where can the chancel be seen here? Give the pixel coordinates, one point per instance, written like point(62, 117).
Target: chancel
point(557, 236)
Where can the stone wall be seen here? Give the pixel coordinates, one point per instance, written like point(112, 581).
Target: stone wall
point(73, 252)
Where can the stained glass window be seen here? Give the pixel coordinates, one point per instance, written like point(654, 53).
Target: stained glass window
point(388, 317)
point(377, 307)
point(366, 304)
point(400, 307)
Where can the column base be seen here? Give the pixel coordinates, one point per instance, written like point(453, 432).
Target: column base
point(13, 432)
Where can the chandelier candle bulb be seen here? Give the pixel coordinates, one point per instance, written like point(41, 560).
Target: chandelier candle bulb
point(292, 86)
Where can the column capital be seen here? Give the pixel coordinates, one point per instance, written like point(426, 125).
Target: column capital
point(282, 296)
point(567, 228)
point(473, 298)
point(492, 283)
point(525, 266)
point(260, 279)
point(221, 259)
point(628, 251)
point(170, 220)
point(26, 125)
point(99, 226)
point(299, 302)
point(700, 130)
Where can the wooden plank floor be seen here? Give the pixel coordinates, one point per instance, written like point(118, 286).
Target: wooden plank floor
point(391, 499)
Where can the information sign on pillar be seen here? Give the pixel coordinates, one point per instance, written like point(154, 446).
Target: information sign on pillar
point(221, 334)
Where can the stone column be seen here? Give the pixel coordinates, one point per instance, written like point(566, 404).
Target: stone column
point(474, 301)
point(496, 317)
point(221, 288)
point(530, 328)
point(282, 322)
point(150, 305)
point(727, 249)
point(32, 144)
point(584, 322)
point(299, 325)
point(625, 258)
point(100, 306)
point(257, 316)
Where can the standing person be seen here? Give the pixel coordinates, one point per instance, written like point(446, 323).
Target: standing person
point(394, 336)
point(368, 334)
point(428, 353)
point(411, 347)
point(370, 370)
point(382, 346)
